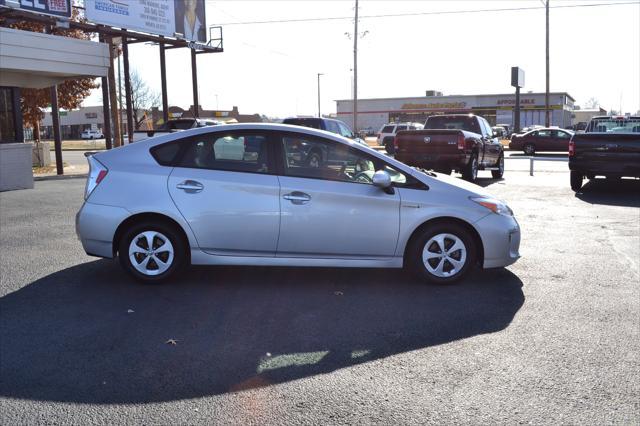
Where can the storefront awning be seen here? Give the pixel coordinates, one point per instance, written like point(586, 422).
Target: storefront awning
point(37, 60)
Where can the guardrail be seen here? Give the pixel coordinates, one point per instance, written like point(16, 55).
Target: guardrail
point(533, 159)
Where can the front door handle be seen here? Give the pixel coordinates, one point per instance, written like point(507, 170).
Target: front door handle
point(297, 197)
point(190, 186)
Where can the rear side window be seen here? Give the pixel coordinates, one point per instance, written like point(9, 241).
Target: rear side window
point(387, 129)
point(166, 154)
point(232, 152)
point(401, 128)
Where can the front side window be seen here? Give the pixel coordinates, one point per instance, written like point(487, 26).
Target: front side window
point(332, 127)
point(231, 152)
point(313, 158)
point(345, 131)
point(544, 133)
point(562, 135)
point(401, 128)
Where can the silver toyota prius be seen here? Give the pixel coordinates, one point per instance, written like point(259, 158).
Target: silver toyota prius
point(280, 195)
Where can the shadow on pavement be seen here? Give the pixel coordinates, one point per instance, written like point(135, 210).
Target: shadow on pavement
point(69, 336)
point(621, 192)
point(547, 154)
point(488, 181)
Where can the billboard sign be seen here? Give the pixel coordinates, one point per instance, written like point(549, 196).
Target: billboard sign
point(517, 77)
point(172, 18)
point(59, 8)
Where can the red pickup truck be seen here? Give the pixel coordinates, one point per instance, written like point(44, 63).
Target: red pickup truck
point(461, 142)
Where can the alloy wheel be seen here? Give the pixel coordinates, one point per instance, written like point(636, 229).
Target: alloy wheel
point(444, 255)
point(151, 253)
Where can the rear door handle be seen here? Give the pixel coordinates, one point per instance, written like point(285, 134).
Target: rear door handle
point(190, 186)
point(297, 197)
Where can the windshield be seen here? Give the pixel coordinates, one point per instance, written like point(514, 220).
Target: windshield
point(614, 125)
point(469, 124)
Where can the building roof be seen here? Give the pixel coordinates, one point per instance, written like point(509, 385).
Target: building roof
point(455, 96)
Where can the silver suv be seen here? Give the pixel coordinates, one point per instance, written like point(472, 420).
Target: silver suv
point(255, 194)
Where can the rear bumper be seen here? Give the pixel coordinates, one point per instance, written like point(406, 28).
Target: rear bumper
point(627, 167)
point(431, 161)
point(96, 226)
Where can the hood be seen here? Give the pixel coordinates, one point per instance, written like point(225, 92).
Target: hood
point(446, 182)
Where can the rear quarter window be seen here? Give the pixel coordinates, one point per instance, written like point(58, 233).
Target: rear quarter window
point(166, 154)
point(387, 129)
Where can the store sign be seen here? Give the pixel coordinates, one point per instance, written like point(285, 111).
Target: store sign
point(526, 101)
point(60, 8)
point(436, 105)
point(173, 18)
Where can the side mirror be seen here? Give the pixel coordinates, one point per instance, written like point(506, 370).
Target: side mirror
point(382, 180)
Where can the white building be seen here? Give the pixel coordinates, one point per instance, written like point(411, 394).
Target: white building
point(497, 108)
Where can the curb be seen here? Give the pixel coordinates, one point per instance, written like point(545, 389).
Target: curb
point(59, 177)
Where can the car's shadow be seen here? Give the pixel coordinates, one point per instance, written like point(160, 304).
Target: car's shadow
point(621, 192)
point(87, 334)
point(548, 154)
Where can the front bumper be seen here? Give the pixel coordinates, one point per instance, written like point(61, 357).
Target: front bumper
point(500, 240)
point(96, 225)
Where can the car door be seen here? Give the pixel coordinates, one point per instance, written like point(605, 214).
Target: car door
point(226, 188)
point(333, 210)
point(492, 147)
point(561, 140)
point(544, 141)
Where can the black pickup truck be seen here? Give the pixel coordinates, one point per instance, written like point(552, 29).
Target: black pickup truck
point(461, 142)
point(609, 147)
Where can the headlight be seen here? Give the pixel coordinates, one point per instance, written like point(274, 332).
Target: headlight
point(496, 206)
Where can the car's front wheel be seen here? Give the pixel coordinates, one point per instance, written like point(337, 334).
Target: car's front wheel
point(443, 254)
point(497, 174)
point(151, 252)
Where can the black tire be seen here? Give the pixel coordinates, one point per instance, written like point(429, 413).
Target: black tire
point(177, 242)
point(576, 180)
point(497, 174)
point(415, 253)
point(529, 149)
point(470, 171)
point(390, 147)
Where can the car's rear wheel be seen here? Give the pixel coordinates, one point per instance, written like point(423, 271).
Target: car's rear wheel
point(497, 174)
point(576, 180)
point(470, 171)
point(151, 252)
point(529, 149)
point(443, 254)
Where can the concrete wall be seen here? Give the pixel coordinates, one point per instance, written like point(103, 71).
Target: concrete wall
point(15, 166)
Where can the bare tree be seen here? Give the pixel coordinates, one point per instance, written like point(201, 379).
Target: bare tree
point(142, 98)
point(592, 103)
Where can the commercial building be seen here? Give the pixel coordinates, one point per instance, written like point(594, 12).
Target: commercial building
point(496, 108)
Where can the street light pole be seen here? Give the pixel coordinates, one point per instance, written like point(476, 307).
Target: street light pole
point(547, 120)
point(319, 74)
point(355, 73)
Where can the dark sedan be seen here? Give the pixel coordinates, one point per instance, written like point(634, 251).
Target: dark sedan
point(545, 139)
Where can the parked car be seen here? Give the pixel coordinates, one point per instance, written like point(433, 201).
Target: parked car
point(609, 147)
point(461, 142)
point(388, 132)
point(92, 134)
point(500, 132)
point(507, 129)
point(172, 126)
point(545, 139)
point(327, 124)
point(179, 199)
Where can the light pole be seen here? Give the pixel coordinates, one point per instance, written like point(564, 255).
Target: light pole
point(319, 74)
point(547, 119)
point(355, 72)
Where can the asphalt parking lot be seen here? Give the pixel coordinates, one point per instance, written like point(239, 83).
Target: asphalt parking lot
point(555, 338)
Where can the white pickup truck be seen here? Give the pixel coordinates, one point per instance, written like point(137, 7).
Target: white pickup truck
point(173, 126)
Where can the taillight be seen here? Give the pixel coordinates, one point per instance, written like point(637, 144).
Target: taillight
point(395, 143)
point(97, 173)
point(460, 141)
point(572, 148)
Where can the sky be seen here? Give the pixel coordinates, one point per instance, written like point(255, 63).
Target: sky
point(272, 68)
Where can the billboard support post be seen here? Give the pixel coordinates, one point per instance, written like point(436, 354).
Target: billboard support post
point(194, 78)
point(106, 125)
point(115, 116)
point(127, 89)
point(163, 84)
point(55, 120)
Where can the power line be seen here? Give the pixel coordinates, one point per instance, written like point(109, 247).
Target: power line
point(445, 12)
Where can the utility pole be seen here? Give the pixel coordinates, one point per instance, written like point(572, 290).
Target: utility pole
point(319, 74)
point(547, 120)
point(355, 73)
